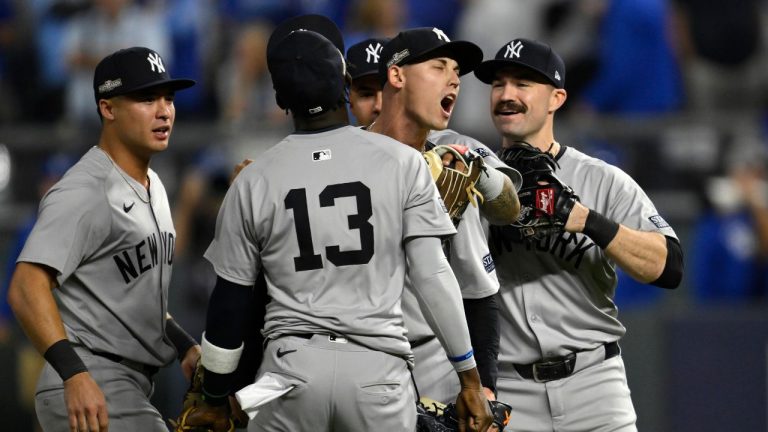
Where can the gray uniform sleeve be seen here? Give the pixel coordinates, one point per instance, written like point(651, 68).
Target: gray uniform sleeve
point(73, 221)
point(234, 251)
point(437, 291)
point(630, 206)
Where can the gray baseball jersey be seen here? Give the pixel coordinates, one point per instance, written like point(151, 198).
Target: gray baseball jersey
point(557, 293)
point(325, 215)
point(111, 244)
point(475, 271)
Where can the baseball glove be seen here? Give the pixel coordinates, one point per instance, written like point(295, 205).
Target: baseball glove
point(545, 201)
point(433, 416)
point(198, 416)
point(455, 181)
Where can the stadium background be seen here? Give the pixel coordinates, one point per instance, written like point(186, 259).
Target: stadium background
point(672, 91)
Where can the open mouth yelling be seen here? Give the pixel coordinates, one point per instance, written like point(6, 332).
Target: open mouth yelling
point(447, 103)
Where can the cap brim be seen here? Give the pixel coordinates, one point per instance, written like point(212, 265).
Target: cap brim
point(354, 76)
point(316, 23)
point(486, 71)
point(173, 84)
point(466, 54)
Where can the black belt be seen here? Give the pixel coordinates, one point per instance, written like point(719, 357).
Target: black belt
point(299, 335)
point(556, 368)
point(331, 337)
point(148, 371)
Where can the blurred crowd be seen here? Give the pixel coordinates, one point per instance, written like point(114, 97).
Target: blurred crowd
point(626, 59)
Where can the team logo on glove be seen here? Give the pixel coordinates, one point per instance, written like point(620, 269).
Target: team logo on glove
point(545, 201)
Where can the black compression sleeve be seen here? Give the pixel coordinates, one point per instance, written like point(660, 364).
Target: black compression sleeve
point(253, 348)
point(180, 339)
point(483, 321)
point(672, 274)
point(228, 310)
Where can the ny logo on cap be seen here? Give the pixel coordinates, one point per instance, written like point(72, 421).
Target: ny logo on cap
point(372, 53)
point(440, 34)
point(513, 49)
point(155, 60)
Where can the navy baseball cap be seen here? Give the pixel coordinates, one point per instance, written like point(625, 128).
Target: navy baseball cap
point(421, 44)
point(306, 61)
point(528, 53)
point(363, 57)
point(316, 23)
point(307, 73)
point(130, 70)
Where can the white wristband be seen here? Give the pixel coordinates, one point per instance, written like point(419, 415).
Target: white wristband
point(464, 362)
point(220, 360)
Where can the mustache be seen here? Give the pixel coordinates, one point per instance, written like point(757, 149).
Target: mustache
point(509, 106)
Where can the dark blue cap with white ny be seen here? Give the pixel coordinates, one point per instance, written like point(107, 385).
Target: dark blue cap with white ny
point(529, 54)
point(421, 44)
point(130, 70)
point(363, 57)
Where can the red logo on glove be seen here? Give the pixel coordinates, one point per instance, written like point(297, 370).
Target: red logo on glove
point(545, 201)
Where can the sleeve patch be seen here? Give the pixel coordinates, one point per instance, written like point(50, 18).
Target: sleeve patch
point(658, 221)
point(482, 152)
point(488, 263)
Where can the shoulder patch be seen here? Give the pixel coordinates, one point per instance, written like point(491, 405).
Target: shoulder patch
point(481, 151)
point(658, 221)
point(488, 263)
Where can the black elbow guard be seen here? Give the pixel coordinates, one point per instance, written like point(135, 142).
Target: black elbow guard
point(672, 274)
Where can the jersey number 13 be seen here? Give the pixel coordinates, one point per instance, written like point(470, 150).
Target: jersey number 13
point(296, 200)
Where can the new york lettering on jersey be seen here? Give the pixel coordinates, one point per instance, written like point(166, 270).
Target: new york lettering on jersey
point(145, 255)
point(569, 247)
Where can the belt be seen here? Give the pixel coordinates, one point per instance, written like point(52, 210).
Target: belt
point(555, 368)
point(146, 370)
point(332, 338)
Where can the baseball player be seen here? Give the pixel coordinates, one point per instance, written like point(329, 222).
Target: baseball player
point(330, 215)
point(365, 88)
point(420, 69)
point(90, 287)
point(559, 364)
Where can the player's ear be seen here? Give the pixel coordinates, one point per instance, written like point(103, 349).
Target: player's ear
point(557, 99)
point(395, 76)
point(105, 108)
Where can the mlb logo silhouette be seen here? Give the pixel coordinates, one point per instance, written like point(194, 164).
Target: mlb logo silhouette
point(321, 155)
